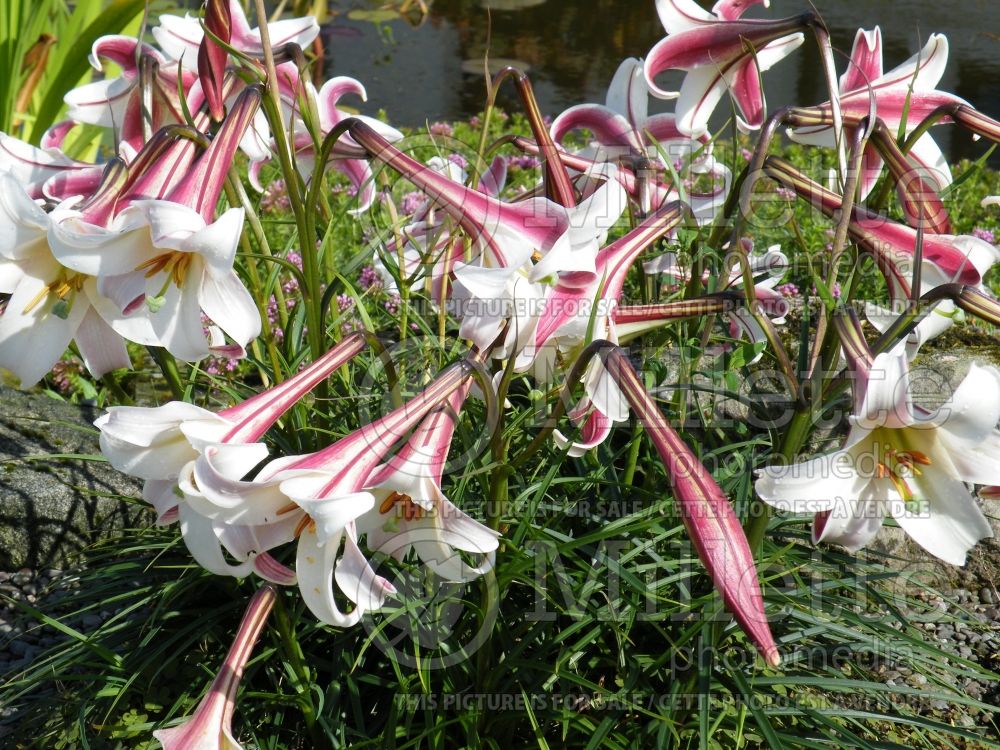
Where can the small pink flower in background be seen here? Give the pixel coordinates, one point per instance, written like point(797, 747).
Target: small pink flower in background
point(835, 291)
point(353, 325)
point(369, 279)
point(523, 161)
point(63, 373)
point(441, 128)
point(275, 197)
point(412, 202)
point(788, 290)
point(984, 234)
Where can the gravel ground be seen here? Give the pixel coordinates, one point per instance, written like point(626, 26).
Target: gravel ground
point(20, 639)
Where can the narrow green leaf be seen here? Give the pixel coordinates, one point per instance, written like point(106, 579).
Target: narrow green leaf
point(112, 658)
point(75, 65)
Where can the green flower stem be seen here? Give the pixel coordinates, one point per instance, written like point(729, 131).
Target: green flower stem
point(307, 239)
point(301, 674)
point(795, 437)
point(825, 353)
point(260, 295)
point(559, 409)
point(633, 453)
point(500, 476)
point(168, 366)
point(257, 229)
point(404, 279)
point(111, 383)
point(481, 165)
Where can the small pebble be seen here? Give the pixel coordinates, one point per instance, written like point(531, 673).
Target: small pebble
point(91, 621)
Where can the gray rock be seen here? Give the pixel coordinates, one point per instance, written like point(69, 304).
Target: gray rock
point(50, 508)
point(21, 648)
point(986, 596)
point(91, 621)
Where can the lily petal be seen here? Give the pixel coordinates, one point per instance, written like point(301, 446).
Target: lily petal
point(102, 349)
point(946, 520)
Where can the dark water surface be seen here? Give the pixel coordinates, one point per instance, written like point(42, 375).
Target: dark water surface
point(571, 49)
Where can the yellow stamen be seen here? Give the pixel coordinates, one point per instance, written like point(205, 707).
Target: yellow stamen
point(391, 499)
point(306, 522)
point(62, 287)
point(409, 509)
point(175, 263)
point(902, 487)
point(42, 294)
point(898, 466)
point(154, 265)
point(181, 268)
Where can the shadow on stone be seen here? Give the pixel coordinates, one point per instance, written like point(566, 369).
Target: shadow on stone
point(57, 494)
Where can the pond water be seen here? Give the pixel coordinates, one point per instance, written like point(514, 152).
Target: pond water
point(572, 47)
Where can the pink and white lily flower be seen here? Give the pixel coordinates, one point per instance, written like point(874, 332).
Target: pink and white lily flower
point(411, 511)
point(156, 444)
point(906, 90)
point(902, 461)
point(118, 102)
point(170, 252)
point(522, 247)
point(50, 304)
point(47, 172)
point(720, 51)
point(324, 104)
point(493, 298)
point(316, 498)
point(623, 125)
point(181, 36)
point(981, 255)
point(572, 316)
point(430, 249)
point(210, 726)
point(506, 234)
